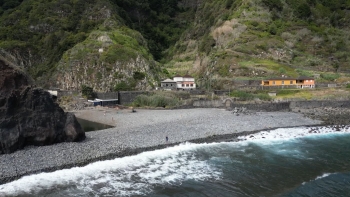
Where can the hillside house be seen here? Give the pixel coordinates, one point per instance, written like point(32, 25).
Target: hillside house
point(186, 82)
point(168, 84)
point(280, 81)
point(305, 82)
point(301, 82)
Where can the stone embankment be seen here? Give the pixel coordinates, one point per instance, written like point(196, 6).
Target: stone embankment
point(330, 112)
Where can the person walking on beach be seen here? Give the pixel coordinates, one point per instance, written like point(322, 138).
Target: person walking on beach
point(166, 139)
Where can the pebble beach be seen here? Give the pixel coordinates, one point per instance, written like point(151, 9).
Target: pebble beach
point(143, 130)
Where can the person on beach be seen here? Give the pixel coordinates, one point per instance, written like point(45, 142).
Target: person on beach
point(166, 139)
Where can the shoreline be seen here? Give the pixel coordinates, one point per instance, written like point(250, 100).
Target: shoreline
point(144, 130)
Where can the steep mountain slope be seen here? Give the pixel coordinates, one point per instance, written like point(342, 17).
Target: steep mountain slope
point(68, 44)
point(128, 44)
point(254, 39)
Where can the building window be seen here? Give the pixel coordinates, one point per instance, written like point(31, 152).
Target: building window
point(282, 82)
point(167, 85)
point(183, 85)
point(291, 82)
point(274, 83)
point(191, 85)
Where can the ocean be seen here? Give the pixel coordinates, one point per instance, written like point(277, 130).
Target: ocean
point(286, 162)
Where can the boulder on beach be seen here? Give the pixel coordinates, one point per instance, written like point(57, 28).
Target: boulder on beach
point(29, 116)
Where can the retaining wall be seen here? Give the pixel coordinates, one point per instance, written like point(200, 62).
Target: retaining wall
point(208, 104)
point(107, 95)
point(267, 107)
point(127, 97)
point(315, 104)
point(66, 93)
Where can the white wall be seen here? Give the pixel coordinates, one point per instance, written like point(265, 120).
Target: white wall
point(178, 78)
point(188, 79)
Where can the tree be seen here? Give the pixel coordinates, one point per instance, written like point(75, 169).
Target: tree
point(336, 66)
point(10, 4)
point(122, 86)
point(304, 10)
point(273, 4)
point(139, 75)
point(87, 92)
point(228, 4)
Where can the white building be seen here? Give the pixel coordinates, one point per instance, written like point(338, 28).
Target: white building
point(186, 82)
point(168, 84)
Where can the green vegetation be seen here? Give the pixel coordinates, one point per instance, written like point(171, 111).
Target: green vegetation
point(139, 75)
point(270, 37)
point(44, 29)
point(156, 20)
point(9, 4)
point(124, 86)
point(304, 73)
point(330, 76)
point(287, 92)
point(87, 92)
point(155, 100)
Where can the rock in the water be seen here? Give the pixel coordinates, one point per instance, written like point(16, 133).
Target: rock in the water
point(29, 116)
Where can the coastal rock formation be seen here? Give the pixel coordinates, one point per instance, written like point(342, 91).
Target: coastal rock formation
point(29, 116)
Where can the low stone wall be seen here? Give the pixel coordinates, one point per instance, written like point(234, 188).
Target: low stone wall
point(246, 82)
point(316, 104)
point(330, 112)
point(127, 97)
point(107, 95)
point(266, 107)
point(208, 104)
point(282, 106)
point(221, 92)
point(62, 93)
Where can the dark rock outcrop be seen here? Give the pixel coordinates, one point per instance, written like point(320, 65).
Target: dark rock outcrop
point(29, 116)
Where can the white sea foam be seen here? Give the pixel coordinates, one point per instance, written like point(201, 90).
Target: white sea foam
point(293, 133)
point(269, 140)
point(137, 175)
point(323, 176)
point(133, 175)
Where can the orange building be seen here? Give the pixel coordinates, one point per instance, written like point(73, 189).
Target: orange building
point(305, 82)
point(301, 82)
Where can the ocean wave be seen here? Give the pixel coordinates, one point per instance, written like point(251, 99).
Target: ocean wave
point(128, 176)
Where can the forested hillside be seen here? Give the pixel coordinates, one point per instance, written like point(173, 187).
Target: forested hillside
point(131, 45)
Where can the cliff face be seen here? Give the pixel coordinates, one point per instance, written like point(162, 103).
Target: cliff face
point(102, 62)
point(29, 116)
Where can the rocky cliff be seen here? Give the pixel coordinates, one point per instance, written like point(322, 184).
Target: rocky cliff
point(29, 116)
point(102, 63)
